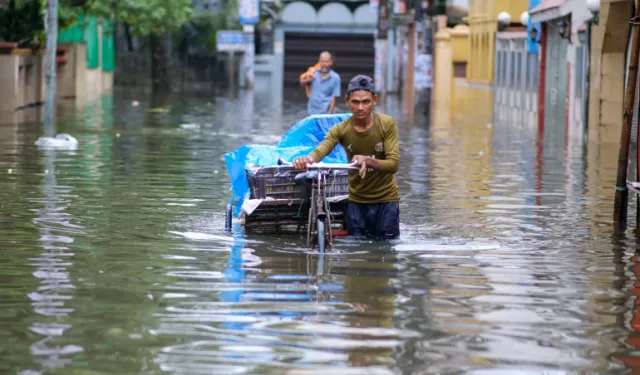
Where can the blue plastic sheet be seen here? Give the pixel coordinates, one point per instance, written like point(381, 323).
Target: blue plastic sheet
point(300, 139)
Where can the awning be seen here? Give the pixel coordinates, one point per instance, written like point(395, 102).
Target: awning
point(549, 10)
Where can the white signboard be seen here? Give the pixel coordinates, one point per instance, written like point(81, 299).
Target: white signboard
point(249, 12)
point(424, 71)
point(230, 41)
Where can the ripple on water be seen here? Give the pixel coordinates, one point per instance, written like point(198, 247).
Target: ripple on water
point(115, 259)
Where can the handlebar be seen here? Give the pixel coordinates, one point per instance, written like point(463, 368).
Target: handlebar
point(322, 165)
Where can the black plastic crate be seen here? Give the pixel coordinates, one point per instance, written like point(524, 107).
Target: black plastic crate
point(277, 182)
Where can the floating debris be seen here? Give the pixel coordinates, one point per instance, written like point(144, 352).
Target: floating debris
point(62, 141)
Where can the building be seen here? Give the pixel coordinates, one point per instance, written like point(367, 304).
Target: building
point(344, 28)
point(609, 33)
point(483, 25)
point(562, 93)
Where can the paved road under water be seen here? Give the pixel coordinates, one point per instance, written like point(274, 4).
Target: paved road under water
point(114, 259)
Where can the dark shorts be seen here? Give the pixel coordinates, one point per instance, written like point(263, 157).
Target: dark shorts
point(380, 221)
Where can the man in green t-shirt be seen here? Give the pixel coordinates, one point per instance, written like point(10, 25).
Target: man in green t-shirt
point(370, 139)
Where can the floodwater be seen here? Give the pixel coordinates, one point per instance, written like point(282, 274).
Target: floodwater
point(114, 258)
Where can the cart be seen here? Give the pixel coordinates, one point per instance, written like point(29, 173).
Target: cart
point(265, 194)
point(277, 203)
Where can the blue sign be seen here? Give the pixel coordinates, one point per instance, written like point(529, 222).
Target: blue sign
point(249, 12)
point(533, 44)
point(230, 41)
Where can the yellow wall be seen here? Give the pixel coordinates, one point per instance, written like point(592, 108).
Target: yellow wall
point(460, 43)
point(607, 71)
point(483, 24)
point(443, 80)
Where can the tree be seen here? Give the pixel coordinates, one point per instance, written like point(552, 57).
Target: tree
point(151, 19)
point(199, 32)
point(22, 21)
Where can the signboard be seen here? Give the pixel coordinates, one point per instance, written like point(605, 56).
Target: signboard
point(374, 4)
point(230, 41)
point(424, 71)
point(399, 7)
point(249, 12)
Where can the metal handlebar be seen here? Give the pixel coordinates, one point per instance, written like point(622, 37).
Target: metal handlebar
point(321, 165)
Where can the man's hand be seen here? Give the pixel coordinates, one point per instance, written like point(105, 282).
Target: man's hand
point(361, 160)
point(306, 79)
point(302, 162)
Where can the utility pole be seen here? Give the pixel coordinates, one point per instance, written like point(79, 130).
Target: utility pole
point(51, 29)
point(409, 78)
point(622, 192)
point(382, 47)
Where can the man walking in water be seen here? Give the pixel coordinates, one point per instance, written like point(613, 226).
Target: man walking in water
point(325, 86)
point(370, 139)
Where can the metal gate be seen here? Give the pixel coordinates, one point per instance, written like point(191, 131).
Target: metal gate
point(516, 80)
point(353, 54)
point(556, 82)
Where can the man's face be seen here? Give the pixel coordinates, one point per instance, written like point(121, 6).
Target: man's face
point(325, 62)
point(361, 103)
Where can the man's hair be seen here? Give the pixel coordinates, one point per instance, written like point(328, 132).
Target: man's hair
point(327, 52)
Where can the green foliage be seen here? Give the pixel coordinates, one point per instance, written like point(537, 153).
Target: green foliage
point(200, 30)
point(21, 22)
point(146, 17)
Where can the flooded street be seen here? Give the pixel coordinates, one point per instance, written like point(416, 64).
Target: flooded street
point(115, 260)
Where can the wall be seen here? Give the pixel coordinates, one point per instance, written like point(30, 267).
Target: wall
point(483, 24)
point(443, 66)
point(21, 79)
point(91, 59)
point(84, 73)
point(460, 54)
point(607, 74)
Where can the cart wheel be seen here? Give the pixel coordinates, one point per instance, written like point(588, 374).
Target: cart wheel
point(322, 235)
point(227, 218)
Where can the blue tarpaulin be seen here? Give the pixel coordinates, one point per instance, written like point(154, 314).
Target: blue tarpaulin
point(300, 139)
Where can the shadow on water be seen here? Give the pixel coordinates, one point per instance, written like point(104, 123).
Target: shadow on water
point(115, 259)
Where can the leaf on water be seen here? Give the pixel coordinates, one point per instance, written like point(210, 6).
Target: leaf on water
point(158, 110)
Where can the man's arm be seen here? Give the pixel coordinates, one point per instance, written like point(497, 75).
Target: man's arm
point(323, 149)
point(327, 145)
point(305, 79)
point(334, 94)
point(332, 105)
point(391, 152)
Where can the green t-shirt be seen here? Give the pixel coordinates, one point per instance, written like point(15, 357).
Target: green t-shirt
point(380, 141)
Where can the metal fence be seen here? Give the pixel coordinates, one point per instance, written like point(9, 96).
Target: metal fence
point(516, 79)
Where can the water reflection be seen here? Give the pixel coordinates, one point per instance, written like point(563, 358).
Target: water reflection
point(299, 314)
point(50, 300)
point(505, 264)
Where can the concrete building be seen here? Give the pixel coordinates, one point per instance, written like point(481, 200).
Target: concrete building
point(609, 37)
point(304, 29)
point(563, 67)
point(85, 65)
point(483, 25)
